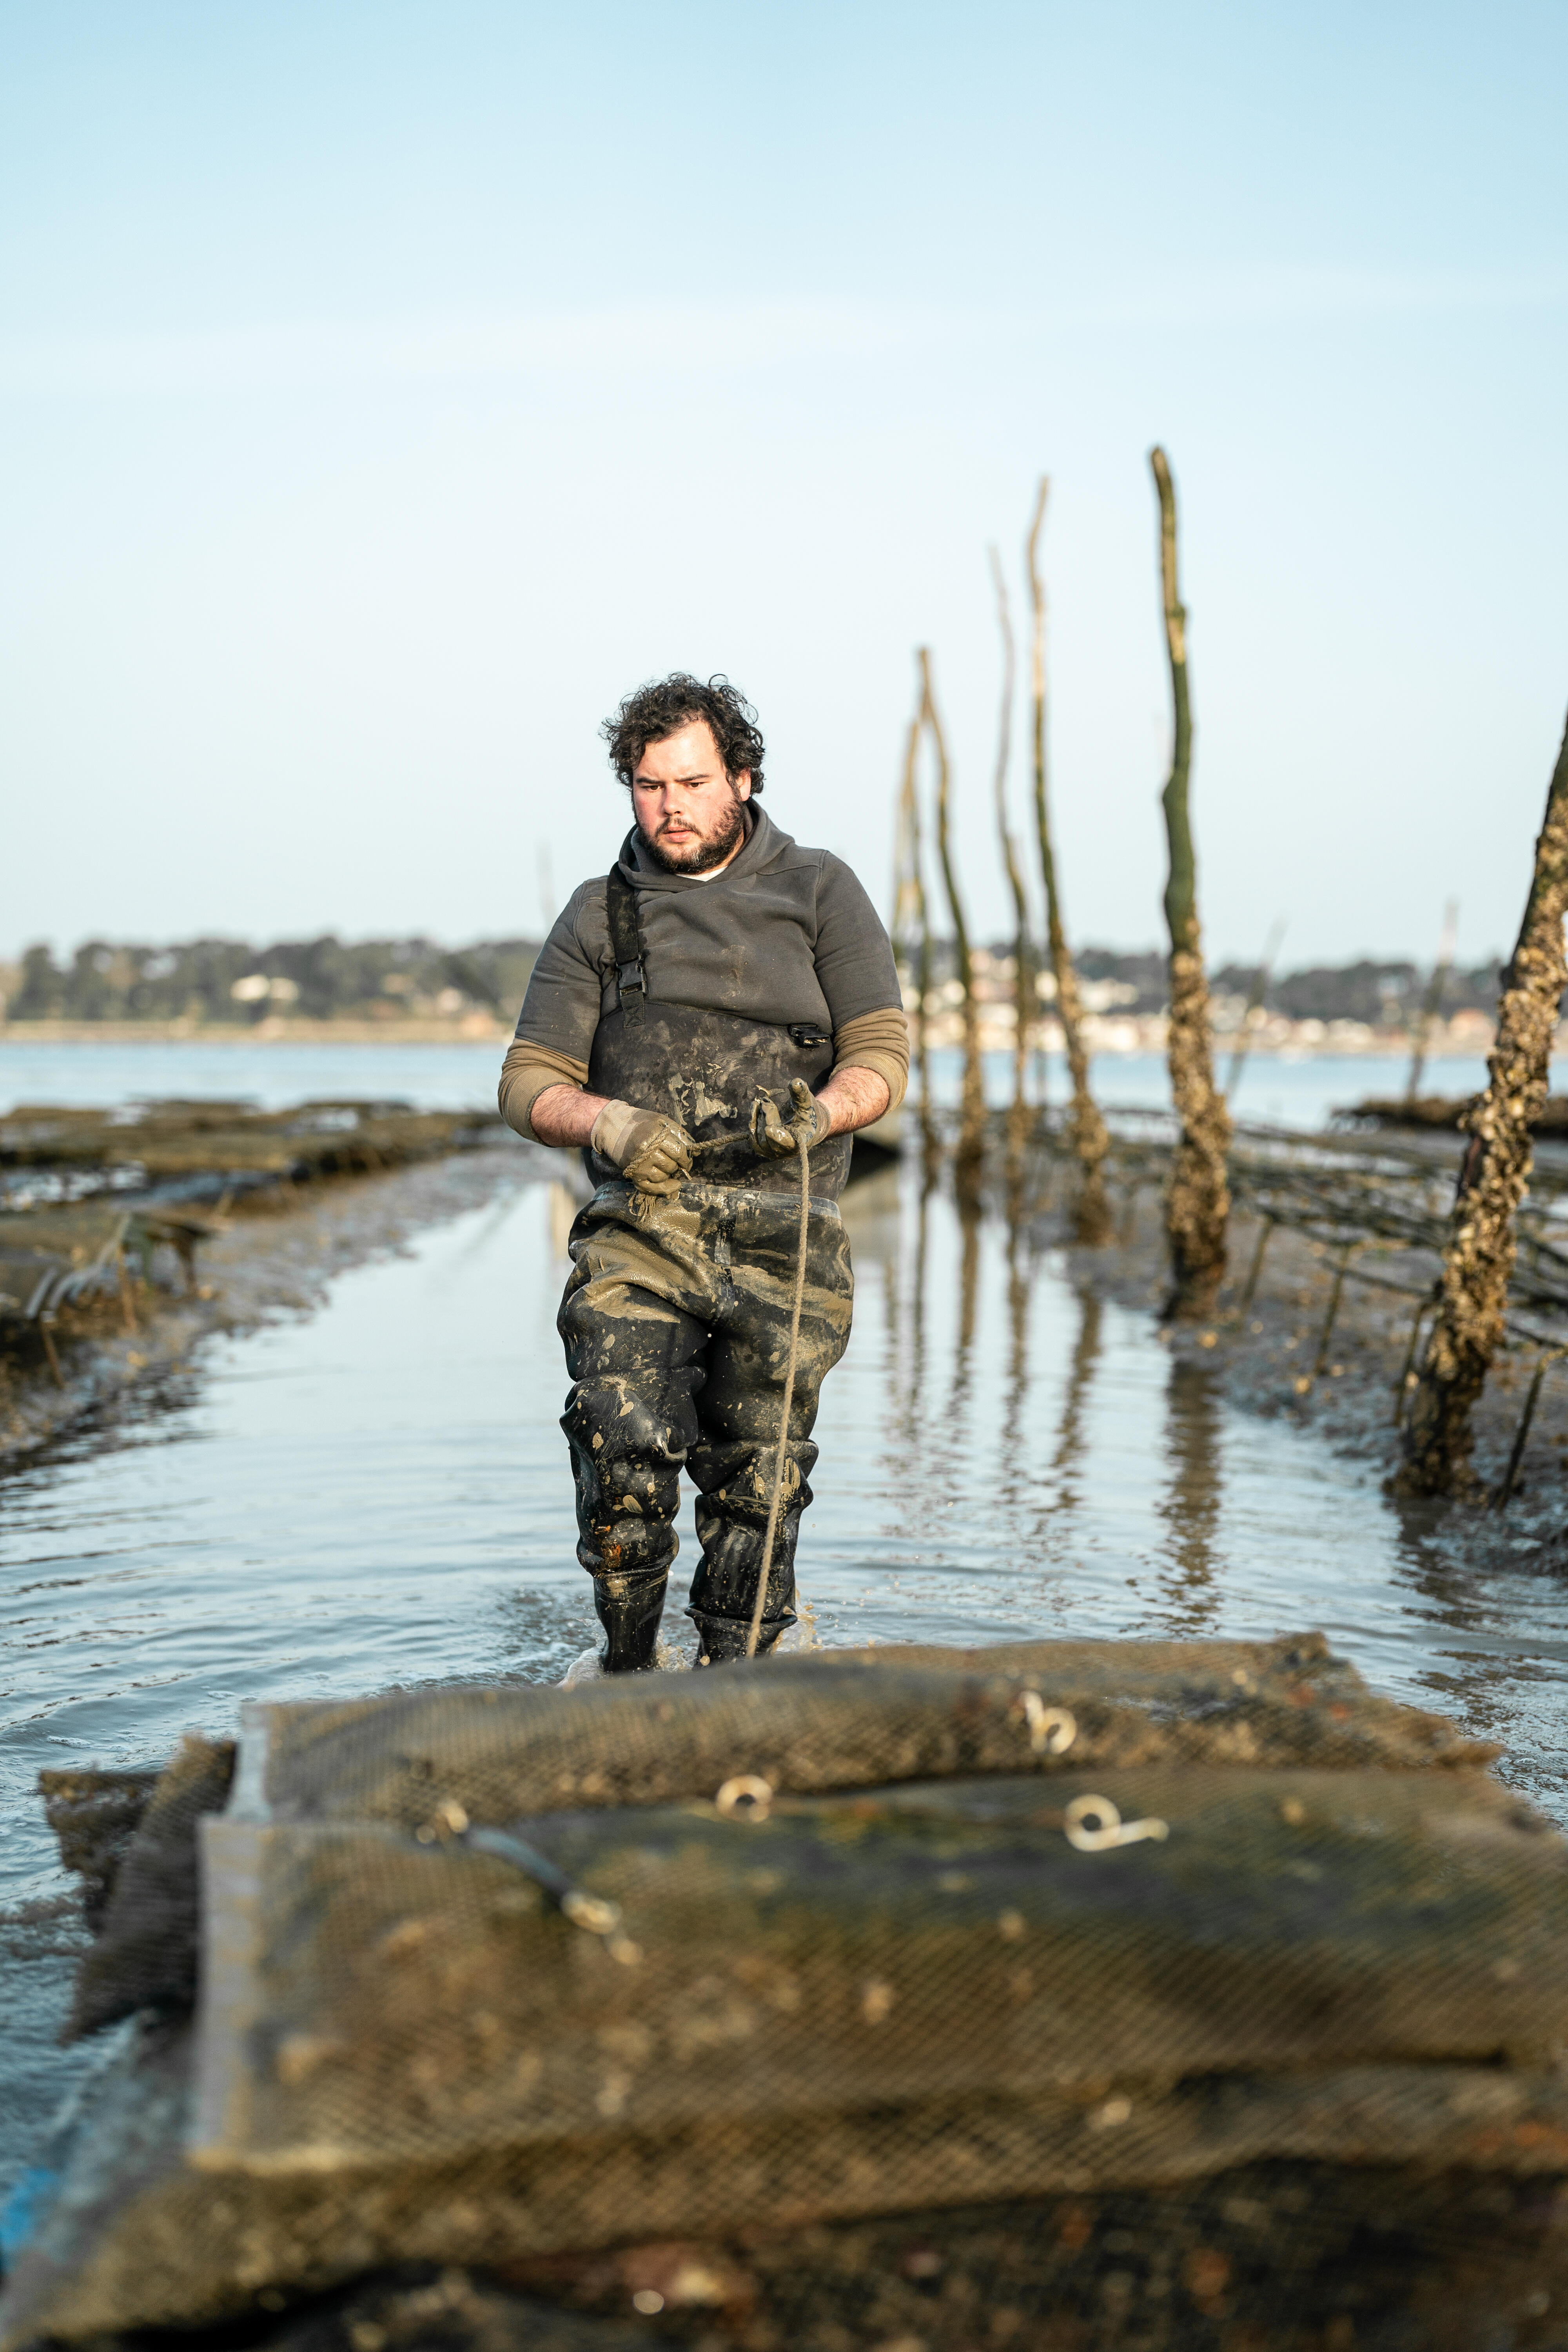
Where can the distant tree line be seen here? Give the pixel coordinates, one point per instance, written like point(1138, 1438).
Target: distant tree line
point(217, 980)
point(1386, 995)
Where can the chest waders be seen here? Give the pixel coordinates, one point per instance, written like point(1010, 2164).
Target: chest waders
point(697, 1327)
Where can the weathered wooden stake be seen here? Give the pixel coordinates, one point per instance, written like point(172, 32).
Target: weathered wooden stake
point(1321, 1363)
point(1479, 1256)
point(910, 911)
point(1022, 957)
point(1545, 1362)
point(1402, 1393)
point(1265, 1234)
point(1255, 1004)
point(1086, 1129)
point(1197, 1203)
point(972, 1118)
point(1432, 1002)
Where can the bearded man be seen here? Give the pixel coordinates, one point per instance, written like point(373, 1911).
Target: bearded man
point(721, 998)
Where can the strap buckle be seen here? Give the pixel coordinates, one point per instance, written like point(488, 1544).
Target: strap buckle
point(630, 975)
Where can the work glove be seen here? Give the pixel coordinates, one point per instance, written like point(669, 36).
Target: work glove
point(652, 1152)
point(809, 1123)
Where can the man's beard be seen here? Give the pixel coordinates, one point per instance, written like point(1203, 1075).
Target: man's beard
point(708, 853)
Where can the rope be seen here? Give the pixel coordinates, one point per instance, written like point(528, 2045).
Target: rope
point(793, 1359)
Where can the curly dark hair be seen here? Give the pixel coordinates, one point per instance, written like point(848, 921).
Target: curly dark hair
point(665, 705)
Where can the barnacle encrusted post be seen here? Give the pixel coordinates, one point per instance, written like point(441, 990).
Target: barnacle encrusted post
point(972, 1118)
point(1197, 1201)
point(1477, 1259)
point(1024, 998)
point(1087, 1136)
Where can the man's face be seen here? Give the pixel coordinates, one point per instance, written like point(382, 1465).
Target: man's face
point(687, 810)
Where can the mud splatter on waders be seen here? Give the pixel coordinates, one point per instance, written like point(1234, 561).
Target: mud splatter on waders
point(699, 1328)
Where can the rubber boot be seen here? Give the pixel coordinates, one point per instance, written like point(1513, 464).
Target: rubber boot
point(721, 1639)
point(629, 1609)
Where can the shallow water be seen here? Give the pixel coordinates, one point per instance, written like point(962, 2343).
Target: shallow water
point(1286, 1090)
point(379, 1492)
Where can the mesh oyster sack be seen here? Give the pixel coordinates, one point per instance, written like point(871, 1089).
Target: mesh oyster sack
point(1139, 1990)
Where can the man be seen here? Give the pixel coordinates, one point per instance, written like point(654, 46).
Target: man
point(722, 997)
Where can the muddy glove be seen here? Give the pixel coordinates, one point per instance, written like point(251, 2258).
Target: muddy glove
point(809, 1123)
point(651, 1151)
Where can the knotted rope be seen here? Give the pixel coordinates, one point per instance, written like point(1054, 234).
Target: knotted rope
point(791, 1362)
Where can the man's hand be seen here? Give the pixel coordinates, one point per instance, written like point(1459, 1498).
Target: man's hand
point(811, 1123)
point(652, 1152)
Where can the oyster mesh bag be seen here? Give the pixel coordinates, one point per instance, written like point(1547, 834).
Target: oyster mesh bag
point(1069, 1994)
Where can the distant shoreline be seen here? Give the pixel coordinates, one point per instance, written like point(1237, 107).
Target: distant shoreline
point(1110, 1037)
point(473, 1029)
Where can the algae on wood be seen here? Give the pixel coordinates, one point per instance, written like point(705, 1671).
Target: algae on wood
point(972, 1118)
point(1477, 1259)
point(1198, 1203)
point(1087, 1133)
point(1023, 959)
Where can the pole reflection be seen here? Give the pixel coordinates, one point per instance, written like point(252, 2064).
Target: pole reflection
point(1068, 1458)
point(1022, 1439)
point(1192, 1503)
point(1015, 1472)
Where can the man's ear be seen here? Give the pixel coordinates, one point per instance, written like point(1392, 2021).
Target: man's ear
point(741, 785)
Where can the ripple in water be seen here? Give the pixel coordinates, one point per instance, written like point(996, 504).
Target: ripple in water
point(380, 1493)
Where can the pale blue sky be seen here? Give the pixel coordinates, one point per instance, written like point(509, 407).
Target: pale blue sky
point(386, 387)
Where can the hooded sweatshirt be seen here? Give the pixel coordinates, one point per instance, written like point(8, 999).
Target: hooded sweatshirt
point(781, 934)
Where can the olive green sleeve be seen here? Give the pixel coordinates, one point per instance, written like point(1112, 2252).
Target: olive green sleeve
point(526, 1072)
point(879, 1042)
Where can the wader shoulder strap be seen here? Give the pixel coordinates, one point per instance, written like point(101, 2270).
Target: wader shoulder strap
point(626, 943)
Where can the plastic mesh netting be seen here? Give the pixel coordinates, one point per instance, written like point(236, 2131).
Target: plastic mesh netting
point(834, 1721)
point(1073, 1993)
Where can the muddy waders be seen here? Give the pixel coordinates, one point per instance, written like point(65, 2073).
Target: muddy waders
point(676, 1321)
point(677, 1315)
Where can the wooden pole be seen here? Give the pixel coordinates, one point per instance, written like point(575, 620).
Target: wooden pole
point(1255, 1004)
point(972, 1120)
point(1023, 958)
point(1087, 1133)
point(1511, 1475)
point(1197, 1203)
point(1478, 1258)
point(910, 910)
point(1432, 1002)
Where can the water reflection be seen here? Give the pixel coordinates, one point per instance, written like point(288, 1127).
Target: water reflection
point(1020, 1272)
point(1502, 1638)
point(1072, 1475)
point(1191, 1505)
point(876, 1236)
point(1068, 1462)
point(969, 1211)
point(380, 1493)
